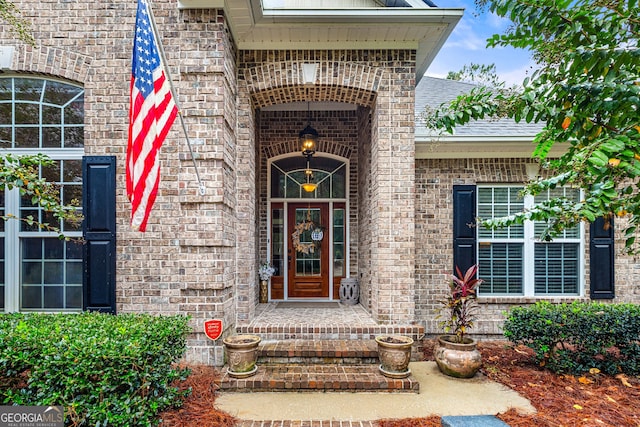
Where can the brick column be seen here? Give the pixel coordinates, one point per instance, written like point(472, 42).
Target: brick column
point(392, 199)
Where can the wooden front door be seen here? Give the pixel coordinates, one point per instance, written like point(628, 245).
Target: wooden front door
point(308, 259)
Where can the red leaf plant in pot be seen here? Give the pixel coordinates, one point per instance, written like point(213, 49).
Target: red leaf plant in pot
point(456, 354)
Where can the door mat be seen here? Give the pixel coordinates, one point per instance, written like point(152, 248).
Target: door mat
point(291, 304)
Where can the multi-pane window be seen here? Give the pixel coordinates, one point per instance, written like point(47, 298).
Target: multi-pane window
point(339, 255)
point(288, 174)
point(277, 240)
point(51, 268)
point(38, 270)
point(513, 261)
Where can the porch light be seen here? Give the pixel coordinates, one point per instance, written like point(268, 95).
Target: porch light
point(308, 137)
point(309, 186)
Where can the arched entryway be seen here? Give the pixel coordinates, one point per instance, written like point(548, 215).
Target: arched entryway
point(308, 231)
point(375, 134)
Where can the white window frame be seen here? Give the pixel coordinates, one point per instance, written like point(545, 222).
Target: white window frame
point(12, 235)
point(529, 241)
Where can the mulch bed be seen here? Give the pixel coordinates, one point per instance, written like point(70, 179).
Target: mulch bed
point(560, 400)
point(198, 410)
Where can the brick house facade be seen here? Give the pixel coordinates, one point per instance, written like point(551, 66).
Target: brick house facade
point(244, 98)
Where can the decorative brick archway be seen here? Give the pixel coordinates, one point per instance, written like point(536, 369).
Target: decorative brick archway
point(53, 61)
point(381, 85)
point(282, 82)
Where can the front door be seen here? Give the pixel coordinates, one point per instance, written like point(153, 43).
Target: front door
point(308, 250)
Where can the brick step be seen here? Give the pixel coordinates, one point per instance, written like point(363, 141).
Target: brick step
point(313, 378)
point(343, 352)
point(328, 332)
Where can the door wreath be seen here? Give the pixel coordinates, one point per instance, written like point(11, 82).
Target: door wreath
point(305, 248)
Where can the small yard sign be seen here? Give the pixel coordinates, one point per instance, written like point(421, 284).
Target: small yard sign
point(213, 328)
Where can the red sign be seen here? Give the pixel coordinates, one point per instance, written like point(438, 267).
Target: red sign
point(213, 328)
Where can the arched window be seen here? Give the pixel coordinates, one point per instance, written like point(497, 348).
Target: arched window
point(288, 174)
point(40, 113)
point(39, 271)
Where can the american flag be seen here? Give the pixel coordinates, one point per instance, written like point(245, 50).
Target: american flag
point(152, 112)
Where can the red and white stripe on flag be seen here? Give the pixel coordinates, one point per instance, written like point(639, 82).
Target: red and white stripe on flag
point(152, 112)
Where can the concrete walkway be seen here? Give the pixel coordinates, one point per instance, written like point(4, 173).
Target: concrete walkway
point(439, 395)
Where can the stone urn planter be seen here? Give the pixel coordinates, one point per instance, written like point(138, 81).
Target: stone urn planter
point(459, 360)
point(394, 352)
point(242, 353)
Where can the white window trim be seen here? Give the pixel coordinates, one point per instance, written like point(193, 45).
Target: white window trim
point(528, 255)
point(13, 236)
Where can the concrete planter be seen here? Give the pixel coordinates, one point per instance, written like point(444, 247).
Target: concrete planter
point(349, 291)
point(242, 353)
point(459, 360)
point(394, 352)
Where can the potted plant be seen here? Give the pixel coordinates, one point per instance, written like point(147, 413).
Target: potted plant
point(265, 271)
point(456, 353)
point(242, 354)
point(394, 352)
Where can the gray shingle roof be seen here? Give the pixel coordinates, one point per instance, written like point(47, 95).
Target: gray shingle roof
point(433, 92)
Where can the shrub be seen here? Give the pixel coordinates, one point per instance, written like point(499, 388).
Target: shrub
point(459, 308)
point(573, 338)
point(104, 369)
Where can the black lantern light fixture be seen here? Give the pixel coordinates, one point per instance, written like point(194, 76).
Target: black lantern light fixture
point(308, 138)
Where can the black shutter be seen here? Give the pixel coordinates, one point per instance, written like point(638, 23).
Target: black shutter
point(601, 259)
point(99, 231)
point(464, 229)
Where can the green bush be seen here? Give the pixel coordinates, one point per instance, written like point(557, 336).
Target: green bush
point(573, 338)
point(104, 369)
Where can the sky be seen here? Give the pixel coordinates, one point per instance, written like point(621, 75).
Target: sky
point(467, 44)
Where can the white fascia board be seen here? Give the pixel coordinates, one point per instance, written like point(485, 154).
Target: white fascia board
point(262, 45)
point(426, 54)
point(399, 15)
point(476, 147)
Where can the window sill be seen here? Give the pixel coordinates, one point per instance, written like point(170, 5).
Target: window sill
point(530, 300)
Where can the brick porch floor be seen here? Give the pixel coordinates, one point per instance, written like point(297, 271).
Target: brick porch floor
point(308, 320)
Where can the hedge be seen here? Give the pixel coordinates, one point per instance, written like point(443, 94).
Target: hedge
point(573, 338)
point(104, 369)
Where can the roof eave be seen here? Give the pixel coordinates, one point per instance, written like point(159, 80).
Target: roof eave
point(478, 147)
point(248, 16)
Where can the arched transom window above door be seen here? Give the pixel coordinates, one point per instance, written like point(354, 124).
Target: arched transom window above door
point(288, 175)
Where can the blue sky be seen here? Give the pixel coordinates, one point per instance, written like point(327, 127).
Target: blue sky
point(467, 44)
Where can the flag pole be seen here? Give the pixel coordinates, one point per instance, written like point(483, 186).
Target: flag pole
point(201, 187)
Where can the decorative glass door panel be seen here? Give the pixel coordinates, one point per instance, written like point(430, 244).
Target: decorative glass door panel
point(278, 257)
point(339, 254)
point(308, 252)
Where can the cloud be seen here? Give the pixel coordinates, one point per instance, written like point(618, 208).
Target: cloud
point(497, 22)
point(465, 37)
point(517, 75)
